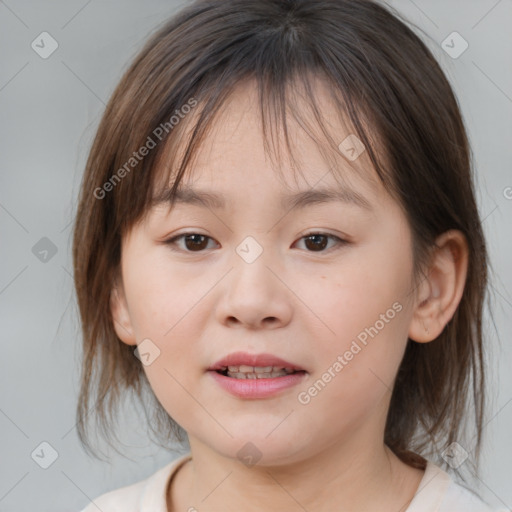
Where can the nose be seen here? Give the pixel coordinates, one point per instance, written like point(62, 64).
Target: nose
point(254, 295)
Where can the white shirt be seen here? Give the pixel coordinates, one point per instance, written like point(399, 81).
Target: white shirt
point(437, 492)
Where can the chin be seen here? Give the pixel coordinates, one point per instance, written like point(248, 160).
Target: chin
point(259, 449)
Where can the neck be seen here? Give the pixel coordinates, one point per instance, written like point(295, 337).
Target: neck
point(347, 476)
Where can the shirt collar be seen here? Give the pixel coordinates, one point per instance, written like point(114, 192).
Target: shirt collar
point(431, 491)
point(154, 494)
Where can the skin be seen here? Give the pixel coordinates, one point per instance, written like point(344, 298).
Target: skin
point(302, 305)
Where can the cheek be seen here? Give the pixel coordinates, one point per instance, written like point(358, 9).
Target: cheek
point(169, 307)
point(357, 300)
point(162, 296)
point(363, 305)
point(354, 375)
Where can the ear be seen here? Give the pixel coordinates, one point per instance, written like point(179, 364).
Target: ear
point(439, 295)
point(121, 315)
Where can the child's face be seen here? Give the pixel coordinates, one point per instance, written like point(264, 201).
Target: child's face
point(305, 301)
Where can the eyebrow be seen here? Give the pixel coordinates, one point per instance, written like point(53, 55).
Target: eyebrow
point(297, 200)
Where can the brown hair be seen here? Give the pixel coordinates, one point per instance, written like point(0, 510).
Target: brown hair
point(390, 85)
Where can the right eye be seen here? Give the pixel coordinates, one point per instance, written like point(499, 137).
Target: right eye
point(193, 242)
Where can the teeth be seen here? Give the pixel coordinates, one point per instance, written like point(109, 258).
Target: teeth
point(254, 375)
point(258, 369)
point(256, 372)
point(261, 372)
point(262, 369)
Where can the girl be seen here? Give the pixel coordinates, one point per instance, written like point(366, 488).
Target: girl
point(311, 324)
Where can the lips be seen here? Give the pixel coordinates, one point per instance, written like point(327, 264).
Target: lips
point(246, 359)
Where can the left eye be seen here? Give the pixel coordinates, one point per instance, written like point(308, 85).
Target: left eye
point(196, 242)
point(318, 241)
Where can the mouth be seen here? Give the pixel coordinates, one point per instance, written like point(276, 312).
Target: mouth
point(256, 372)
point(260, 382)
point(242, 365)
point(256, 376)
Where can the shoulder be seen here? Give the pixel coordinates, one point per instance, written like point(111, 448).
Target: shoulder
point(460, 498)
point(126, 499)
point(145, 495)
point(438, 492)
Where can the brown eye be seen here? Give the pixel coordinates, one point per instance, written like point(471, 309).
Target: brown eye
point(193, 242)
point(317, 242)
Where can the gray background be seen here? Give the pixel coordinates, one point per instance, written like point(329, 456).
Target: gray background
point(49, 109)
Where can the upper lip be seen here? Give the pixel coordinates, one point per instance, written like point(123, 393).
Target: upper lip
point(244, 358)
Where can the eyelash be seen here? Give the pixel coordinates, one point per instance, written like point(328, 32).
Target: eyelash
point(173, 241)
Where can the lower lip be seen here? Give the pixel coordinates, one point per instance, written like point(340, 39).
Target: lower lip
point(257, 388)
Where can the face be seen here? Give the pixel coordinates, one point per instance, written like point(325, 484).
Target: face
point(324, 286)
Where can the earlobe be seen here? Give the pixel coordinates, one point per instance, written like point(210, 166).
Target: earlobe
point(121, 316)
point(440, 293)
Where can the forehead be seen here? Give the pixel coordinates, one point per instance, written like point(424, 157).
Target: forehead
point(233, 154)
